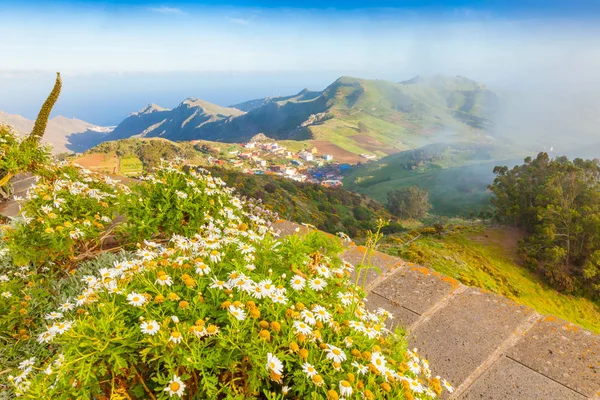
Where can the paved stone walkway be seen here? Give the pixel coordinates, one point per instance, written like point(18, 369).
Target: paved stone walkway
point(488, 347)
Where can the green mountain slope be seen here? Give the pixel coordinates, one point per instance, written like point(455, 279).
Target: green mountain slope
point(354, 115)
point(456, 175)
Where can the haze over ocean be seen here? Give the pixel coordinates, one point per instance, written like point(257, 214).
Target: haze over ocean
point(117, 56)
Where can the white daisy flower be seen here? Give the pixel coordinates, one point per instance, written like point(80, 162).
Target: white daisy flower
point(274, 364)
point(379, 362)
point(176, 387)
point(217, 284)
point(335, 353)
point(303, 328)
point(62, 327)
point(202, 269)
point(135, 299)
point(181, 194)
point(447, 386)
point(53, 315)
point(297, 282)
point(360, 369)
point(317, 284)
point(149, 327)
point(308, 317)
point(309, 370)
point(323, 270)
point(321, 313)
point(163, 280)
point(175, 337)
point(345, 388)
point(238, 313)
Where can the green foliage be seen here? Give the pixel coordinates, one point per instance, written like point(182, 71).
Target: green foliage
point(557, 202)
point(209, 305)
point(329, 209)
point(408, 202)
point(69, 214)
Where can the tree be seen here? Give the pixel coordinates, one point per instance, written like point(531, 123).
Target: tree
point(557, 203)
point(409, 202)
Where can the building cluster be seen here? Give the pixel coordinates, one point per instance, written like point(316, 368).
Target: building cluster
point(274, 159)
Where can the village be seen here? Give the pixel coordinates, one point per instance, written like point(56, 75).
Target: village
point(272, 158)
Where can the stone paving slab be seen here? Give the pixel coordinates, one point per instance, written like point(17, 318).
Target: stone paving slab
point(563, 352)
point(416, 288)
point(385, 263)
point(21, 183)
point(508, 379)
point(402, 317)
point(463, 334)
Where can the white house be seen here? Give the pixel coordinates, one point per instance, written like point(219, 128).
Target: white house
point(306, 156)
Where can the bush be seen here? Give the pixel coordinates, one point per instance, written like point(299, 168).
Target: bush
point(409, 202)
point(207, 304)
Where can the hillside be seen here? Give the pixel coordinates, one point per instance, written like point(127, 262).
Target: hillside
point(486, 257)
point(351, 116)
point(330, 209)
point(64, 134)
point(455, 175)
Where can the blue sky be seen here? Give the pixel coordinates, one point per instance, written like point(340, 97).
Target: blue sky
point(124, 54)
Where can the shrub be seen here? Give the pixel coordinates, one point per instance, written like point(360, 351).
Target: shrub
point(208, 304)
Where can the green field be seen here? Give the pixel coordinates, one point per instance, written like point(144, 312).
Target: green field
point(486, 258)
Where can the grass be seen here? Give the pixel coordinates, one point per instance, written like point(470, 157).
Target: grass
point(131, 165)
point(486, 258)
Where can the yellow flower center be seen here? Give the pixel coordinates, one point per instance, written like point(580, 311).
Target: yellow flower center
point(176, 334)
point(163, 277)
point(345, 384)
point(135, 299)
point(336, 352)
point(174, 386)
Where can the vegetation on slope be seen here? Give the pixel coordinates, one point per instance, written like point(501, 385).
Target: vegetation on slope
point(329, 209)
point(487, 257)
point(557, 203)
point(455, 175)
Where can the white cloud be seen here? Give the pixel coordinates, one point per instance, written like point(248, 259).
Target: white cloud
point(239, 21)
point(167, 10)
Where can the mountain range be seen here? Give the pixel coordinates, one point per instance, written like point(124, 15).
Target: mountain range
point(62, 133)
point(350, 117)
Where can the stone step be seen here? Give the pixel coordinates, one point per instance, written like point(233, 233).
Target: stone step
point(508, 379)
point(461, 336)
point(563, 352)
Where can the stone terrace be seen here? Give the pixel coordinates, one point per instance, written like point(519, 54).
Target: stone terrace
point(487, 346)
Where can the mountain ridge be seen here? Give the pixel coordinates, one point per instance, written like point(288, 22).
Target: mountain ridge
point(62, 133)
point(357, 115)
